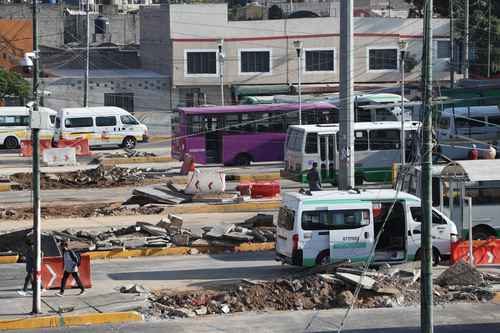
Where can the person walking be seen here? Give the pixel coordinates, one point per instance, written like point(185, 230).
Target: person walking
point(474, 153)
point(313, 178)
point(29, 259)
point(71, 262)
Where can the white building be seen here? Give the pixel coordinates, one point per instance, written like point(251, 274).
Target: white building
point(181, 41)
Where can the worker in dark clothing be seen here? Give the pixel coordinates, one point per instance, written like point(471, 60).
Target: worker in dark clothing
point(29, 258)
point(313, 178)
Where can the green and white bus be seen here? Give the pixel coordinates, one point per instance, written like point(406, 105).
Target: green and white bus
point(376, 149)
point(331, 226)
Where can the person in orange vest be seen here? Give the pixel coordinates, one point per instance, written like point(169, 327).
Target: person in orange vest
point(474, 153)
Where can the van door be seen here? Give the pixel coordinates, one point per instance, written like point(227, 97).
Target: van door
point(106, 130)
point(80, 127)
point(129, 126)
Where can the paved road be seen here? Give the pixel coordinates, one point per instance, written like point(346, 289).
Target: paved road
point(457, 318)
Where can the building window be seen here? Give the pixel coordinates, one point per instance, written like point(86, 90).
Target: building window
point(320, 60)
point(443, 49)
point(203, 62)
point(255, 61)
point(382, 59)
point(122, 100)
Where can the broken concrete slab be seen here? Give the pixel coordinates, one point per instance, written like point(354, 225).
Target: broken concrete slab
point(219, 230)
point(239, 236)
point(133, 289)
point(461, 274)
point(366, 282)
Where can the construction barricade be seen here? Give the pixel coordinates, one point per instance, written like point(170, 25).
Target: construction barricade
point(81, 146)
point(485, 252)
point(59, 156)
point(53, 269)
point(27, 147)
point(260, 189)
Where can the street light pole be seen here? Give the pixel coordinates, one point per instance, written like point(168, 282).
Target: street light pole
point(220, 55)
point(35, 140)
point(298, 47)
point(489, 39)
point(466, 41)
point(402, 49)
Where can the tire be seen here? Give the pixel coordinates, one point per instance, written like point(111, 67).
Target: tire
point(482, 233)
point(243, 159)
point(11, 142)
point(358, 180)
point(129, 142)
point(436, 256)
point(323, 258)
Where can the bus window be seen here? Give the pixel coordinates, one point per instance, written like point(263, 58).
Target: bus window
point(384, 115)
point(309, 117)
point(195, 124)
point(444, 123)
point(327, 116)
point(292, 118)
point(286, 218)
point(231, 122)
point(276, 123)
point(79, 122)
point(312, 143)
point(248, 125)
point(384, 139)
point(463, 122)
point(322, 147)
point(360, 140)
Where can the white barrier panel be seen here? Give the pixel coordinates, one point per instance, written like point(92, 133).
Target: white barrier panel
point(205, 181)
point(59, 156)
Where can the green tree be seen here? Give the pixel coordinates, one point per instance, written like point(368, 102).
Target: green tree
point(13, 84)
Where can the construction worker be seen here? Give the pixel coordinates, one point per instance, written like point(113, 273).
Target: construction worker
point(29, 258)
point(313, 178)
point(71, 262)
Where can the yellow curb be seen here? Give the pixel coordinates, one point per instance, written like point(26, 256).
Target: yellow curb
point(5, 187)
point(70, 320)
point(496, 299)
point(225, 208)
point(181, 250)
point(270, 176)
point(135, 160)
point(8, 259)
point(101, 318)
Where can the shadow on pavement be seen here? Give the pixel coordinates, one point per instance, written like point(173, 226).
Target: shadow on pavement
point(468, 328)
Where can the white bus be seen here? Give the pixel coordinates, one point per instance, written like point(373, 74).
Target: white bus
point(376, 149)
point(101, 126)
point(15, 125)
point(331, 226)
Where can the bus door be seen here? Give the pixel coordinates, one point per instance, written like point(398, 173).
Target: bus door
point(213, 138)
point(328, 156)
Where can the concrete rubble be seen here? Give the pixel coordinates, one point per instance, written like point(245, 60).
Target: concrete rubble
point(128, 153)
point(313, 289)
point(168, 232)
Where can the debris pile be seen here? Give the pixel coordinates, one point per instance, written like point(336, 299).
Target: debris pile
point(310, 290)
point(97, 177)
point(128, 153)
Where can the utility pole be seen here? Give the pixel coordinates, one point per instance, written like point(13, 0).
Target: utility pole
point(426, 320)
point(298, 47)
point(466, 41)
point(220, 56)
point(452, 47)
point(489, 39)
point(87, 56)
point(402, 51)
point(346, 123)
point(35, 140)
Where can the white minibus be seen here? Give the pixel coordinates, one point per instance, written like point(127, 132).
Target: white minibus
point(323, 227)
point(101, 126)
point(15, 125)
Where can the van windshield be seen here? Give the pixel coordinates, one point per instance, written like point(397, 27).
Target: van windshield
point(286, 218)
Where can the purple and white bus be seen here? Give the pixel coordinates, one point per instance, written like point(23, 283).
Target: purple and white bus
point(240, 134)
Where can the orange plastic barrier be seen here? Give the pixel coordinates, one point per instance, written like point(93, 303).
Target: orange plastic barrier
point(53, 268)
point(27, 147)
point(81, 146)
point(260, 189)
point(485, 252)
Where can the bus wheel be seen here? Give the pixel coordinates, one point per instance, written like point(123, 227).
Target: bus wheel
point(358, 179)
point(11, 142)
point(436, 256)
point(323, 258)
point(243, 159)
point(129, 142)
point(482, 232)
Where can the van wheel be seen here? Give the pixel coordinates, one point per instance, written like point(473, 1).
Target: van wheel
point(323, 258)
point(436, 256)
point(358, 180)
point(243, 159)
point(11, 142)
point(129, 142)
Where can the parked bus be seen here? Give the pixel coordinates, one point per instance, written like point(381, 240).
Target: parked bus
point(240, 134)
point(376, 148)
point(324, 227)
point(15, 125)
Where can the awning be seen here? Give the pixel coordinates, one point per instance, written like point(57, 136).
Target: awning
point(473, 170)
point(260, 90)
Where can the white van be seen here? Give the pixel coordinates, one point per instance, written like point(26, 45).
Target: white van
point(15, 125)
point(331, 226)
point(101, 126)
point(475, 122)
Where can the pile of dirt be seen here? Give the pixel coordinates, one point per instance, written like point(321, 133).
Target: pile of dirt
point(309, 291)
